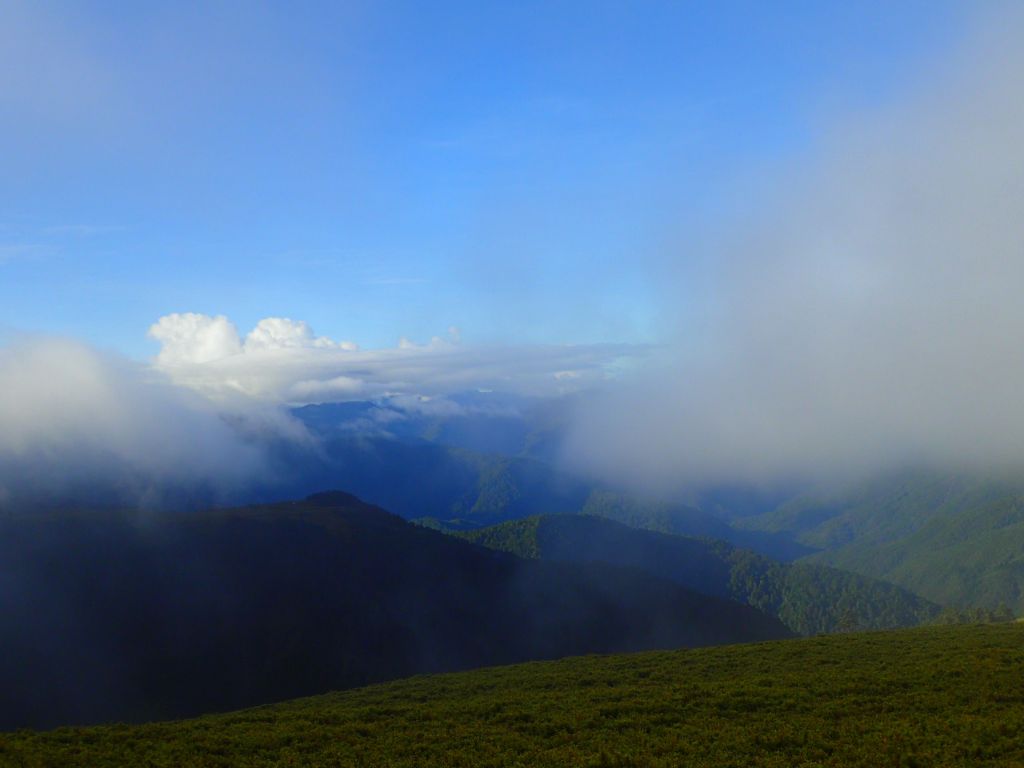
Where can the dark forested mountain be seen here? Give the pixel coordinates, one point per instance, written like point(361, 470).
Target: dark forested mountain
point(954, 538)
point(132, 616)
point(807, 598)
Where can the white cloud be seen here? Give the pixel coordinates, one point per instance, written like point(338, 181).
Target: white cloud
point(78, 424)
point(282, 333)
point(872, 313)
point(326, 390)
point(283, 360)
point(191, 338)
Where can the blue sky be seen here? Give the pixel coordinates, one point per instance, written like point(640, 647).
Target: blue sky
point(382, 170)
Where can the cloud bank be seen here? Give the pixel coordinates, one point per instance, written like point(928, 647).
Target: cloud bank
point(77, 424)
point(283, 361)
point(869, 314)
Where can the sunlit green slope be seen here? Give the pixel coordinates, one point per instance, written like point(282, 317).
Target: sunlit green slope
point(935, 696)
point(956, 539)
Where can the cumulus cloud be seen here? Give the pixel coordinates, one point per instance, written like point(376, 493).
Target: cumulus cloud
point(284, 333)
point(871, 313)
point(77, 424)
point(284, 361)
point(191, 338)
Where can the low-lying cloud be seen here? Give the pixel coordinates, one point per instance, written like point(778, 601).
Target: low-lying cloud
point(283, 361)
point(871, 316)
point(77, 424)
point(207, 421)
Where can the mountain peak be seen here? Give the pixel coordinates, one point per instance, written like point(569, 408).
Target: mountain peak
point(334, 499)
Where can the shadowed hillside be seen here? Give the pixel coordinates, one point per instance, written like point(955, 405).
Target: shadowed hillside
point(807, 598)
point(119, 616)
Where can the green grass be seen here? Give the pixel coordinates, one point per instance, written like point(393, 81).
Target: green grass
point(933, 696)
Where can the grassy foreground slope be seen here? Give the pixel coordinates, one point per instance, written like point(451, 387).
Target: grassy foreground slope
point(933, 696)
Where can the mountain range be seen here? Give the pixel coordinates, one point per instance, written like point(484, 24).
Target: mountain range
point(954, 537)
point(137, 616)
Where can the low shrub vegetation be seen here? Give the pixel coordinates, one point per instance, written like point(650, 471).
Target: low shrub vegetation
point(930, 696)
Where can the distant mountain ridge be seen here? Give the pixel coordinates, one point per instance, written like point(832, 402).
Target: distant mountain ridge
point(421, 479)
point(462, 489)
point(809, 599)
point(482, 422)
point(954, 538)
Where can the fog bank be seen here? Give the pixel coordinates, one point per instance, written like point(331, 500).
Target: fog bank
point(80, 425)
point(867, 315)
